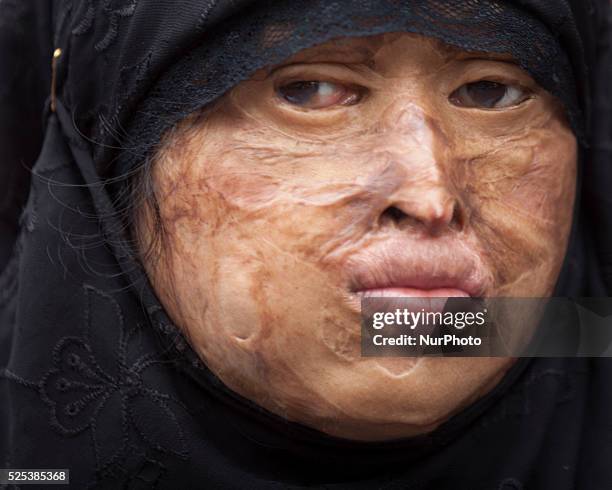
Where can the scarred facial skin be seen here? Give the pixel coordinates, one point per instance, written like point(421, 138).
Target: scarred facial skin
point(397, 173)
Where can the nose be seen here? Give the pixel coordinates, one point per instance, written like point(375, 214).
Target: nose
point(423, 194)
point(432, 210)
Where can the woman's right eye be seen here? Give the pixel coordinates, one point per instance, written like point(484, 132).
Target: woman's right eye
point(315, 94)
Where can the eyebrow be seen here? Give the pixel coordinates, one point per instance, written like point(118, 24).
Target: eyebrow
point(360, 52)
point(487, 56)
point(363, 52)
point(329, 54)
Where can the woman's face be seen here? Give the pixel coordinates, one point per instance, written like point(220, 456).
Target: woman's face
point(384, 165)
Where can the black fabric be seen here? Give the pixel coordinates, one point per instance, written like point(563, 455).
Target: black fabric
point(24, 68)
point(93, 375)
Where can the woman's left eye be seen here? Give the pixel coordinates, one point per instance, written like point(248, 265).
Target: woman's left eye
point(317, 94)
point(489, 95)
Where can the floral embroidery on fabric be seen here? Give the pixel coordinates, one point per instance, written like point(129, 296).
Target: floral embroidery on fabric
point(87, 389)
point(113, 10)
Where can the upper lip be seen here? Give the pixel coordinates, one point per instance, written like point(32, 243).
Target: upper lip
point(419, 265)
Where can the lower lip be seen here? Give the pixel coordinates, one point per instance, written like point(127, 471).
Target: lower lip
point(414, 293)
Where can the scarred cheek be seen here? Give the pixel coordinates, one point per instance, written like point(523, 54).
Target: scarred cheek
point(531, 176)
point(316, 194)
point(522, 195)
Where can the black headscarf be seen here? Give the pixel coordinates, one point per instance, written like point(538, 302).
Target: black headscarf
point(93, 375)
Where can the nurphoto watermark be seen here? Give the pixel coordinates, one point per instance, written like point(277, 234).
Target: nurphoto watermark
point(486, 327)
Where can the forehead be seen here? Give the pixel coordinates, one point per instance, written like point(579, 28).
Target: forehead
point(368, 49)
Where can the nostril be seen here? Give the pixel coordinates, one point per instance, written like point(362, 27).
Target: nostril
point(394, 214)
point(458, 219)
point(450, 216)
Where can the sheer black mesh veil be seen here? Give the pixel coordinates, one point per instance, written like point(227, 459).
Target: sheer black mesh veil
point(92, 372)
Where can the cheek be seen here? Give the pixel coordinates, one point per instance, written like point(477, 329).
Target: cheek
point(301, 200)
point(247, 248)
point(521, 194)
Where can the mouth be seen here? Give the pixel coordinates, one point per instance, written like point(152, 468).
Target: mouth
point(418, 271)
point(412, 292)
